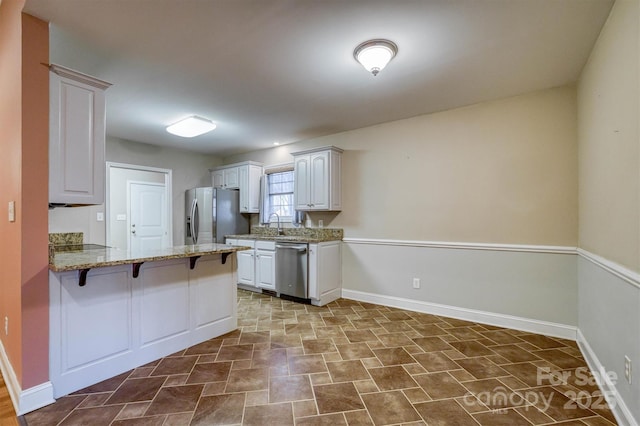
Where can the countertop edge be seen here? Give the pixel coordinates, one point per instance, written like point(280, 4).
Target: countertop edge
point(106, 263)
point(293, 239)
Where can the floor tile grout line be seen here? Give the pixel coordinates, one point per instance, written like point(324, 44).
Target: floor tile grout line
point(378, 344)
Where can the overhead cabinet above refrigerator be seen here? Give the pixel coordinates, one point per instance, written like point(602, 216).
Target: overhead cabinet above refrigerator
point(245, 177)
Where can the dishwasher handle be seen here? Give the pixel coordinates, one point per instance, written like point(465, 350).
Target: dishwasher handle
point(299, 249)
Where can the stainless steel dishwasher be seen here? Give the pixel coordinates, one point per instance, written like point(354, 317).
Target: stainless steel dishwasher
point(291, 270)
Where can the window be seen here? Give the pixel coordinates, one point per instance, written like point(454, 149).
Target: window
point(280, 195)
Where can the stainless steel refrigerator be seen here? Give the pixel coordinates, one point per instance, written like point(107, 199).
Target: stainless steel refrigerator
point(211, 214)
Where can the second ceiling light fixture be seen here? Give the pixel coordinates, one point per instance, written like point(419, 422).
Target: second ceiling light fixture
point(374, 55)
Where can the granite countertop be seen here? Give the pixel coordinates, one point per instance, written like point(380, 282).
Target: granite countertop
point(98, 257)
point(310, 235)
point(285, 238)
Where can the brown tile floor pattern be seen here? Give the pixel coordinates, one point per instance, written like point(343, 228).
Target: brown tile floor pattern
point(347, 363)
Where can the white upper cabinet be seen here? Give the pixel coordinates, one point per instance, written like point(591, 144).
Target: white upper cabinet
point(317, 179)
point(249, 183)
point(217, 178)
point(244, 176)
point(226, 178)
point(76, 137)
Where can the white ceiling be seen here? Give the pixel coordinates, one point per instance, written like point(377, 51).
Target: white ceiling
point(283, 70)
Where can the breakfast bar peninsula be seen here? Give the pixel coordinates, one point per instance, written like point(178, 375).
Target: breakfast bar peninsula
point(113, 310)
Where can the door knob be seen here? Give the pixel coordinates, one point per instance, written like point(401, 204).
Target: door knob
point(133, 231)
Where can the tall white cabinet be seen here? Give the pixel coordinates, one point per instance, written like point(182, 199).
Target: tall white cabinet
point(249, 183)
point(317, 179)
point(325, 272)
point(243, 176)
point(77, 137)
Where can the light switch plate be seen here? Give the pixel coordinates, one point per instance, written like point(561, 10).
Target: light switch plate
point(121, 217)
point(99, 216)
point(12, 211)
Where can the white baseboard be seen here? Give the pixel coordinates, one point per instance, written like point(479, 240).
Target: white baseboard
point(36, 397)
point(24, 401)
point(500, 320)
point(616, 403)
point(328, 297)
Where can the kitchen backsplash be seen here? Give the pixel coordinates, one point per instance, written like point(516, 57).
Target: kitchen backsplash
point(66, 238)
point(319, 233)
point(63, 239)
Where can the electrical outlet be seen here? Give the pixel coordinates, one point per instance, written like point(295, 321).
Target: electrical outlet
point(416, 283)
point(321, 223)
point(627, 368)
point(6, 326)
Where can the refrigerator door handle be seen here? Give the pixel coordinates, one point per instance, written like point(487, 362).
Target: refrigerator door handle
point(195, 221)
point(192, 219)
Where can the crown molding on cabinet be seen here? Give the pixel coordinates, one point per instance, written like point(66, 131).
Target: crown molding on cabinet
point(78, 76)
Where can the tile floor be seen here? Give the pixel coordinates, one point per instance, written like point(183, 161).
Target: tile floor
point(348, 363)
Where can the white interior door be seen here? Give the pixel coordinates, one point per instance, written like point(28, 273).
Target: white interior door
point(148, 218)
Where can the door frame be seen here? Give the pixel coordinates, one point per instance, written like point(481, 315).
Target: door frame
point(129, 215)
point(168, 179)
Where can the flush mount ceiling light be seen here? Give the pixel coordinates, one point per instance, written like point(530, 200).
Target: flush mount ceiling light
point(374, 55)
point(191, 127)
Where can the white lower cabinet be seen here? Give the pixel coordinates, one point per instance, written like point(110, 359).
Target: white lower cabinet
point(117, 322)
point(246, 264)
point(256, 268)
point(325, 272)
point(266, 265)
point(246, 267)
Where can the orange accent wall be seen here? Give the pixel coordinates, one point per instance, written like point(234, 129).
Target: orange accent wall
point(24, 141)
point(10, 178)
point(35, 198)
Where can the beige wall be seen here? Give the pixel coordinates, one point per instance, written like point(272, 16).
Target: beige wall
point(609, 155)
point(497, 172)
point(190, 169)
point(79, 219)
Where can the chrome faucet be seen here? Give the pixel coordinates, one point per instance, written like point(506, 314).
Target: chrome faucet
point(277, 217)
